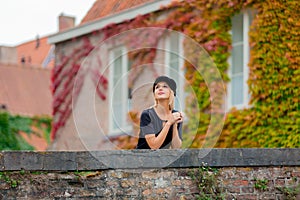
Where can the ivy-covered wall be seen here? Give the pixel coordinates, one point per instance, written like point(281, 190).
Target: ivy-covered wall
point(272, 119)
point(12, 125)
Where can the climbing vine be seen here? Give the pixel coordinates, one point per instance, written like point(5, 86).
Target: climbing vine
point(273, 117)
point(64, 77)
point(11, 125)
point(207, 182)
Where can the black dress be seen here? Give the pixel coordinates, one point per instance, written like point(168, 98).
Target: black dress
point(150, 123)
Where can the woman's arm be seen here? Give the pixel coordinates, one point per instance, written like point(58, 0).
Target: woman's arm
point(156, 142)
point(176, 141)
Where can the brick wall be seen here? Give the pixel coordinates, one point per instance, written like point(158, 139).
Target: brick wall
point(91, 175)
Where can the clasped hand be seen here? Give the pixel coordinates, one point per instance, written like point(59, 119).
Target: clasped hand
point(176, 117)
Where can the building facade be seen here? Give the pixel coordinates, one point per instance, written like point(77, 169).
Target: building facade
point(105, 69)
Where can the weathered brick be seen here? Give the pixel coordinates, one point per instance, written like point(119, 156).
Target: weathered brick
point(280, 197)
point(233, 189)
point(268, 196)
point(133, 191)
point(161, 191)
point(290, 182)
point(112, 183)
point(67, 176)
point(188, 182)
point(245, 172)
point(226, 181)
point(52, 176)
point(240, 182)
point(149, 175)
point(167, 183)
point(184, 173)
point(166, 174)
point(247, 189)
point(176, 182)
point(144, 183)
point(161, 183)
point(296, 173)
point(147, 192)
point(119, 174)
point(279, 182)
point(4, 185)
point(263, 176)
point(127, 183)
point(194, 189)
point(90, 184)
point(183, 197)
point(103, 192)
point(247, 196)
point(83, 193)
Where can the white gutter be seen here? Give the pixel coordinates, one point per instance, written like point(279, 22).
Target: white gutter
point(101, 23)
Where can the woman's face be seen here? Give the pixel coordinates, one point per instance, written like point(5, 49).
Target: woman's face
point(162, 91)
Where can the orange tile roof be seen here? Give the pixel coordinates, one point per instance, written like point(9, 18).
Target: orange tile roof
point(34, 55)
point(25, 90)
point(102, 8)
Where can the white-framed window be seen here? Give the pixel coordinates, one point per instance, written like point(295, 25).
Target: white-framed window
point(174, 60)
point(119, 98)
point(238, 93)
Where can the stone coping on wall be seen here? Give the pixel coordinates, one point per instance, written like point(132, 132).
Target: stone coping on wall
point(146, 159)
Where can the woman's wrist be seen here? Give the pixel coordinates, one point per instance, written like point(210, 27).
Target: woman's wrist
point(168, 123)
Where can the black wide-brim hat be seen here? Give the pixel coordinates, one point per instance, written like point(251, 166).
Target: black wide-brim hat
point(171, 83)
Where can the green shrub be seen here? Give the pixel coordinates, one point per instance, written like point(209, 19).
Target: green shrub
point(8, 140)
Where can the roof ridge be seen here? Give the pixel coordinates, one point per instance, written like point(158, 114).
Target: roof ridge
point(32, 40)
point(24, 66)
point(115, 7)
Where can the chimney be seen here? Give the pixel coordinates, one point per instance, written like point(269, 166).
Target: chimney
point(8, 55)
point(65, 22)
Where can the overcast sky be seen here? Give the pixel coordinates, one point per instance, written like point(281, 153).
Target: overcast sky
point(23, 20)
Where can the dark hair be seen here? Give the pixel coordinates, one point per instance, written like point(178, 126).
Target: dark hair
point(171, 83)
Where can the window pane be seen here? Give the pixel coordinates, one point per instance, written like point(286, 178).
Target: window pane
point(237, 59)
point(117, 69)
point(237, 90)
point(117, 86)
point(237, 28)
point(178, 105)
point(117, 115)
point(121, 103)
point(129, 90)
point(174, 52)
point(174, 49)
point(117, 53)
point(174, 44)
point(174, 70)
point(117, 93)
point(174, 57)
point(117, 90)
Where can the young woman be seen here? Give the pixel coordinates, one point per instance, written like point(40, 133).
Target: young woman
point(161, 125)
